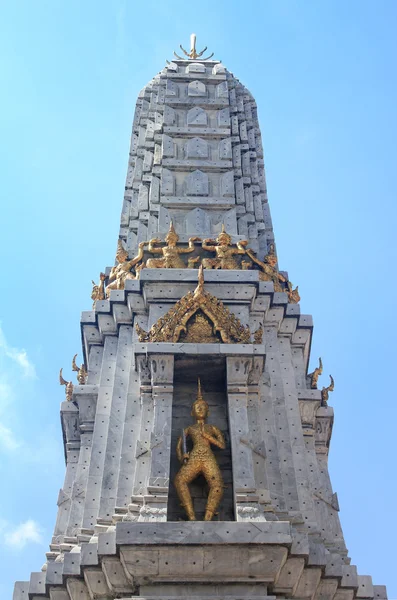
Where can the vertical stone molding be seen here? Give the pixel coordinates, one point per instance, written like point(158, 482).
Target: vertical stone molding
point(162, 370)
point(237, 372)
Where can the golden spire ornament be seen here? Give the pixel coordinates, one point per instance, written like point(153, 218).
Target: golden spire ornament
point(193, 54)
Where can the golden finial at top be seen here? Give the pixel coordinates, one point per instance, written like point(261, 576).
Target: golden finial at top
point(193, 54)
point(199, 393)
point(200, 280)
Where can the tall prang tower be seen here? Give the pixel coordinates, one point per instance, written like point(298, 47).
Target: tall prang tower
point(196, 442)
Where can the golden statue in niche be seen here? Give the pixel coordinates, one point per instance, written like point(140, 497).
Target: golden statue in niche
point(122, 270)
point(170, 252)
point(200, 460)
point(224, 250)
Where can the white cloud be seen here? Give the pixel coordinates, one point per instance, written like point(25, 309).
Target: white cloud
point(23, 534)
point(19, 356)
point(7, 438)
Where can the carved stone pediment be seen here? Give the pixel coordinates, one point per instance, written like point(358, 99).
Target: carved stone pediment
point(176, 321)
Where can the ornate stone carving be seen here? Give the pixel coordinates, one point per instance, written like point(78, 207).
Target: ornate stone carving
point(171, 253)
point(200, 460)
point(308, 409)
point(68, 386)
point(316, 374)
point(224, 250)
point(152, 511)
point(325, 392)
point(247, 512)
point(169, 327)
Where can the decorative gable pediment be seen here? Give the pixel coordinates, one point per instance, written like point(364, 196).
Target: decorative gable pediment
point(175, 322)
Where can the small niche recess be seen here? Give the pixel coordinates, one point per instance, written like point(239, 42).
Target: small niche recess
point(212, 372)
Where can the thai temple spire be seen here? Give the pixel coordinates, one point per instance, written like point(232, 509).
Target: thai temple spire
point(196, 439)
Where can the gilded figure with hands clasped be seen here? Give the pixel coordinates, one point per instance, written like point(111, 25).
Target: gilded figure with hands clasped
point(200, 460)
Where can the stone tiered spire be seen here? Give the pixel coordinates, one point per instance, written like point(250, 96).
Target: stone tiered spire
point(196, 158)
point(196, 293)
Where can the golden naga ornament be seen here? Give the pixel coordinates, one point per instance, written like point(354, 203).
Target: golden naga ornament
point(171, 253)
point(122, 271)
point(170, 327)
point(224, 250)
point(325, 392)
point(81, 371)
point(316, 374)
point(269, 272)
point(200, 460)
point(68, 386)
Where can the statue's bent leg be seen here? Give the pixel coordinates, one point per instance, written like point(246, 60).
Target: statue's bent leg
point(155, 263)
point(210, 263)
point(186, 474)
point(214, 479)
point(111, 286)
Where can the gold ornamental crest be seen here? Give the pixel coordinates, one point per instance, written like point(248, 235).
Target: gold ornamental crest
point(174, 323)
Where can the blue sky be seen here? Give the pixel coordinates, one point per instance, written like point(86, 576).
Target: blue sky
point(324, 77)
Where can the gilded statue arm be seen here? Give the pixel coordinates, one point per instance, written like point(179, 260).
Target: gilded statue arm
point(112, 274)
point(179, 448)
point(209, 248)
point(255, 259)
point(216, 438)
point(138, 257)
point(241, 247)
point(151, 247)
point(191, 246)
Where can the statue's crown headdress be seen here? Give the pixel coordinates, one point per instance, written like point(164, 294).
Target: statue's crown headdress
point(120, 248)
point(171, 232)
point(199, 393)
